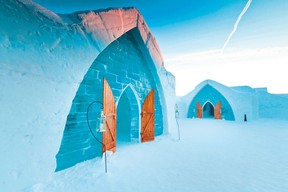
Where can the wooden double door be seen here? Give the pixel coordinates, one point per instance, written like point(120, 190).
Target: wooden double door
point(109, 109)
point(217, 110)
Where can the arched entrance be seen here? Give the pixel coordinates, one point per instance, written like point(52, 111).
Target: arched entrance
point(130, 75)
point(212, 98)
point(208, 110)
point(128, 117)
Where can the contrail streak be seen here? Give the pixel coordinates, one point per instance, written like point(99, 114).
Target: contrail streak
point(237, 23)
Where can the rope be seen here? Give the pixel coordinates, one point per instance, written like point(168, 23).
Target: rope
point(89, 123)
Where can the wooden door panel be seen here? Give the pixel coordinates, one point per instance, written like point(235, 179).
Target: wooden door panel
point(109, 109)
point(147, 118)
point(217, 110)
point(199, 110)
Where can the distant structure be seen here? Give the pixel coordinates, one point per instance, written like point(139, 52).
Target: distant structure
point(211, 99)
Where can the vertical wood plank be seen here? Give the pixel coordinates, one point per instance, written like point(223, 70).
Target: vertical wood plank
point(109, 109)
point(199, 110)
point(147, 118)
point(217, 110)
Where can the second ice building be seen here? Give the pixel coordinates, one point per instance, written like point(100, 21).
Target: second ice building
point(211, 99)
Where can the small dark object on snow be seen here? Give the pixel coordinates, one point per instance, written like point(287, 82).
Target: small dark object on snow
point(245, 118)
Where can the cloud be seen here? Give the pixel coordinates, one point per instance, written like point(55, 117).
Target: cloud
point(212, 55)
point(253, 67)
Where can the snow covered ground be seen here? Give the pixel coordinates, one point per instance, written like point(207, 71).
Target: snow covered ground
point(211, 156)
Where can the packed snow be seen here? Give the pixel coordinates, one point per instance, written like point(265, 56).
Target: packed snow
point(211, 155)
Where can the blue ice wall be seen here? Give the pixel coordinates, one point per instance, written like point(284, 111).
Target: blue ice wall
point(210, 94)
point(121, 63)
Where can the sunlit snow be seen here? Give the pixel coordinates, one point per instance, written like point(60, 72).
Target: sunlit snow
point(210, 156)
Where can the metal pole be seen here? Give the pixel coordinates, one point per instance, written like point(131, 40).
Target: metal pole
point(178, 129)
point(176, 117)
point(105, 161)
point(105, 152)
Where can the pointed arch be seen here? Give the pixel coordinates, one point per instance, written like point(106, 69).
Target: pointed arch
point(210, 93)
point(130, 88)
point(128, 113)
point(123, 63)
point(208, 110)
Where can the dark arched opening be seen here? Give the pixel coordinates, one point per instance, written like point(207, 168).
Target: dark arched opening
point(208, 110)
